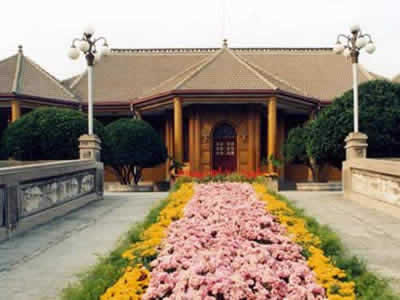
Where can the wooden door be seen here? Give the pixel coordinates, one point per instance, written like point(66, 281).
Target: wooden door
point(224, 143)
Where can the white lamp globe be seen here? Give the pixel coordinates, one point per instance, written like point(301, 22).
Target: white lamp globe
point(370, 48)
point(73, 53)
point(338, 48)
point(89, 30)
point(361, 42)
point(347, 52)
point(84, 46)
point(105, 50)
point(355, 28)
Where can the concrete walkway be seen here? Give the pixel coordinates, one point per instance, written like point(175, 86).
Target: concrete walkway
point(370, 234)
point(39, 264)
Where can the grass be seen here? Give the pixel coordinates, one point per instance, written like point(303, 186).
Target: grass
point(369, 286)
point(95, 281)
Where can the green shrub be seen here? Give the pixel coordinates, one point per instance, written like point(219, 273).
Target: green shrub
point(47, 134)
point(379, 114)
point(131, 146)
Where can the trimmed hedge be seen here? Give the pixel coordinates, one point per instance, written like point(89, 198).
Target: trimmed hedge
point(47, 134)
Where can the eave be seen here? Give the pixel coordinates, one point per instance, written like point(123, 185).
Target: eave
point(243, 93)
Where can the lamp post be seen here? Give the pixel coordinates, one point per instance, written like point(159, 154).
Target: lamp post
point(88, 46)
point(351, 47)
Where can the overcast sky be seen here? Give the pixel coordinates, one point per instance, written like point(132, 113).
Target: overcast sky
point(46, 28)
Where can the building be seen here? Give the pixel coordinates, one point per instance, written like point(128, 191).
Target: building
point(216, 108)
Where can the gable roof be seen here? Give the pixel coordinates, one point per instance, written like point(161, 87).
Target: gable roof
point(396, 78)
point(134, 74)
point(19, 75)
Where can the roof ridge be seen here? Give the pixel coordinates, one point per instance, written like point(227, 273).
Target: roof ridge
point(245, 64)
point(178, 75)
point(200, 68)
point(141, 50)
point(265, 49)
point(51, 77)
point(365, 72)
point(213, 49)
point(18, 70)
point(258, 68)
point(77, 79)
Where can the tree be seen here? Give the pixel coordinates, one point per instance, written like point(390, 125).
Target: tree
point(47, 134)
point(298, 147)
point(379, 118)
point(133, 145)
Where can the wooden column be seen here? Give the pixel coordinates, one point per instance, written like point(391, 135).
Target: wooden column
point(168, 144)
point(252, 141)
point(272, 120)
point(281, 134)
point(191, 141)
point(197, 143)
point(15, 110)
point(178, 130)
point(258, 140)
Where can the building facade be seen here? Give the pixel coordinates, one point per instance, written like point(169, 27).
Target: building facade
point(216, 108)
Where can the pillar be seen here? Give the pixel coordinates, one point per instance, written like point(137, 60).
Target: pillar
point(191, 140)
point(281, 134)
point(197, 143)
point(272, 120)
point(89, 147)
point(15, 110)
point(258, 140)
point(356, 145)
point(178, 130)
point(252, 141)
point(168, 143)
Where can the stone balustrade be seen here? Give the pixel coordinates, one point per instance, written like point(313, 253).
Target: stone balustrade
point(34, 194)
point(373, 182)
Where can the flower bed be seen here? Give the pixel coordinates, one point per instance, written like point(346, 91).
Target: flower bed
point(228, 247)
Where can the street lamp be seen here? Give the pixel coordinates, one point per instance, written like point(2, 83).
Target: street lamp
point(351, 47)
point(87, 45)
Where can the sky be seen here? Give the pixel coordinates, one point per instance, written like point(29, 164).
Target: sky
point(46, 28)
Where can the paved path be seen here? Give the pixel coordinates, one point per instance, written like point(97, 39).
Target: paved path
point(39, 264)
point(369, 234)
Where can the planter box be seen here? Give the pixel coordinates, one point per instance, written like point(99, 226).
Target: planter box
point(161, 186)
point(319, 186)
point(117, 187)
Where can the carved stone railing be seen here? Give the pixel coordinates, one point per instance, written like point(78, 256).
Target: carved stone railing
point(34, 194)
point(373, 182)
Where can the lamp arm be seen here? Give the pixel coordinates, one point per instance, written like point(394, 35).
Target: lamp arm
point(368, 36)
point(75, 40)
point(99, 39)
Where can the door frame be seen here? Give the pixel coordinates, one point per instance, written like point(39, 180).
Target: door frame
point(216, 125)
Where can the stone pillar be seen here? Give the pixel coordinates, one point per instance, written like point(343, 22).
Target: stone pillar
point(252, 141)
point(356, 145)
point(15, 110)
point(178, 129)
point(89, 147)
point(272, 120)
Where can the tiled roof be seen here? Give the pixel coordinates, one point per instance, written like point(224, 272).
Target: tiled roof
point(20, 75)
point(134, 74)
point(396, 78)
point(128, 74)
point(319, 73)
